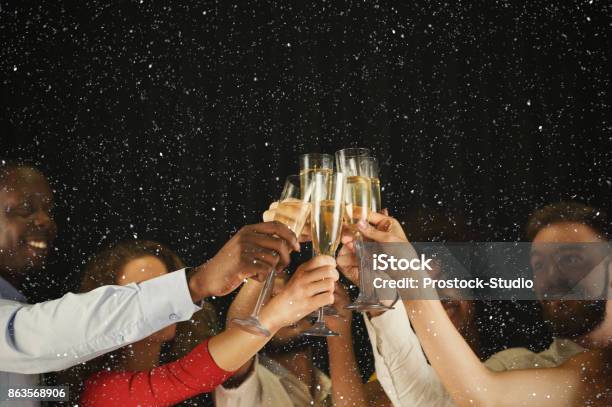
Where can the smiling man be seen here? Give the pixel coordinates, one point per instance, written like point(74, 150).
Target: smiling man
point(57, 334)
point(27, 228)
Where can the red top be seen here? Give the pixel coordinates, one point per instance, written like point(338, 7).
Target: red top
point(165, 385)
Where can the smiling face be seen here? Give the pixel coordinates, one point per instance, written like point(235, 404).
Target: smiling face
point(568, 318)
point(27, 228)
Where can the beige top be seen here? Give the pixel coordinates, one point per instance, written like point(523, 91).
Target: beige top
point(522, 358)
point(271, 385)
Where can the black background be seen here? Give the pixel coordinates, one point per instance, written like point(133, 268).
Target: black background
point(178, 122)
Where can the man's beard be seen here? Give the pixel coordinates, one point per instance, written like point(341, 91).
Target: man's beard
point(571, 319)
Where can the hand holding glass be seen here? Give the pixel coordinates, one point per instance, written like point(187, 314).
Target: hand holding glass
point(358, 198)
point(292, 210)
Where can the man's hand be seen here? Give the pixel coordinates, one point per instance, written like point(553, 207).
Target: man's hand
point(253, 252)
point(310, 287)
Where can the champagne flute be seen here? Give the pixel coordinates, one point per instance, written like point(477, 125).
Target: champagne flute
point(370, 168)
point(326, 213)
point(342, 157)
point(292, 210)
point(311, 164)
point(358, 201)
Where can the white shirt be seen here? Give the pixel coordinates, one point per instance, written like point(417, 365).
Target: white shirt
point(401, 367)
point(55, 335)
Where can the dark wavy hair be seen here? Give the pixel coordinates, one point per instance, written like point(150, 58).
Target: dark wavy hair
point(568, 211)
point(104, 267)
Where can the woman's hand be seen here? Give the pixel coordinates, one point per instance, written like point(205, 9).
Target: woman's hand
point(311, 287)
point(381, 228)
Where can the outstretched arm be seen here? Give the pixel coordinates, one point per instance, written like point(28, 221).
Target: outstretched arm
point(311, 287)
point(241, 307)
point(470, 383)
point(57, 334)
point(80, 327)
point(401, 367)
point(212, 362)
point(467, 380)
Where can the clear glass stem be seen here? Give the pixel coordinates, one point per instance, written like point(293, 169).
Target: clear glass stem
point(320, 315)
point(320, 311)
point(364, 287)
point(264, 294)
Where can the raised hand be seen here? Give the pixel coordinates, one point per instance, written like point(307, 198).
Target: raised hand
point(253, 252)
point(381, 228)
point(310, 287)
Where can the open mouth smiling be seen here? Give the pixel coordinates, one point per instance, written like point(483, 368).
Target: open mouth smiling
point(37, 244)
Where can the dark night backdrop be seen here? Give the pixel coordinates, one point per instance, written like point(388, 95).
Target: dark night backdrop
point(177, 122)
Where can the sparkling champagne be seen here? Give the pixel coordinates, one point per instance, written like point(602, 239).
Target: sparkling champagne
point(307, 178)
point(357, 198)
point(326, 226)
point(376, 203)
point(292, 213)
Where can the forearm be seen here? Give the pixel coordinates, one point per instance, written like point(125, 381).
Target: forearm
point(470, 383)
point(57, 334)
point(241, 307)
point(233, 347)
point(465, 378)
point(165, 385)
point(347, 386)
point(245, 301)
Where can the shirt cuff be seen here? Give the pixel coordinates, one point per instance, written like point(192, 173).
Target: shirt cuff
point(166, 300)
point(393, 329)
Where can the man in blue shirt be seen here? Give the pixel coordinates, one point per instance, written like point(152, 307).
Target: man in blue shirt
point(57, 334)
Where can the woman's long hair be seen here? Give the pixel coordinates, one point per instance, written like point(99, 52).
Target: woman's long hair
point(103, 269)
